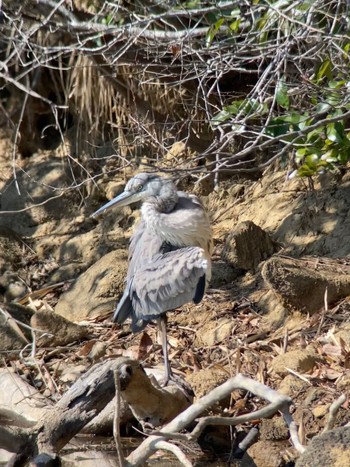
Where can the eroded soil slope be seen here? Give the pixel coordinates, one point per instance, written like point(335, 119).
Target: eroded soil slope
point(277, 310)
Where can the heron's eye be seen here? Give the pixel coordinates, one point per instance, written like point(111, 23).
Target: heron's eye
point(139, 188)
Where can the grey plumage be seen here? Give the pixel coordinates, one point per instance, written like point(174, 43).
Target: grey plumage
point(169, 253)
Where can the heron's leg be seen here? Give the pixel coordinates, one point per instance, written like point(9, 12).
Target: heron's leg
point(162, 321)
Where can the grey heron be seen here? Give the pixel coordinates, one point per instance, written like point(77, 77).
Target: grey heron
point(169, 253)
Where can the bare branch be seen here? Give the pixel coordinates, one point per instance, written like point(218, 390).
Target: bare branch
point(333, 410)
point(278, 402)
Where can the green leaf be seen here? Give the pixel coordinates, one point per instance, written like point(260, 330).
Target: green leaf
point(235, 107)
point(300, 154)
point(234, 26)
point(322, 107)
point(277, 127)
point(306, 171)
point(315, 136)
point(335, 132)
point(213, 31)
point(330, 156)
point(324, 71)
point(282, 97)
point(336, 84)
point(344, 155)
point(334, 98)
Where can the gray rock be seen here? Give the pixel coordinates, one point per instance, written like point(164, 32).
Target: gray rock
point(13, 336)
point(328, 449)
point(223, 273)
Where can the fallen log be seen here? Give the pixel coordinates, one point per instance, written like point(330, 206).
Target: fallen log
point(82, 402)
point(150, 403)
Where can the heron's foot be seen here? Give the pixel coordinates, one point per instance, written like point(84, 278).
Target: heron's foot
point(180, 383)
point(170, 378)
point(168, 375)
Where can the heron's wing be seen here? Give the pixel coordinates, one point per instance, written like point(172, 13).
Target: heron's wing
point(144, 258)
point(171, 280)
point(144, 246)
point(136, 237)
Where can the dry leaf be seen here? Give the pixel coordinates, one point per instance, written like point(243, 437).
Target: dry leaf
point(86, 349)
point(332, 374)
point(145, 346)
point(173, 342)
point(333, 350)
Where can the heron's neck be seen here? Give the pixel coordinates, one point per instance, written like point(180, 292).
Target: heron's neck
point(165, 201)
point(155, 210)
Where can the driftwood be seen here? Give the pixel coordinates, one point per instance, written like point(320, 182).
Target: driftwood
point(150, 403)
point(159, 440)
point(80, 404)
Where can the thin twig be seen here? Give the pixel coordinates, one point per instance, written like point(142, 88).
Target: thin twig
point(324, 312)
point(116, 421)
point(298, 375)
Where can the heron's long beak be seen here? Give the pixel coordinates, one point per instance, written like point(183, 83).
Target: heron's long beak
point(124, 199)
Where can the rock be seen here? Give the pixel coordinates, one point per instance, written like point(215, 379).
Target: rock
point(344, 334)
point(102, 424)
point(10, 338)
point(274, 429)
point(11, 259)
point(177, 149)
point(214, 332)
point(313, 395)
point(114, 189)
point(300, 361)
point(20, 397)
point(247, 246)
point(98, 351)
point(328, 449)
point(203, 381)
point(275, 311)
point(151, 404)
point(302, 283)
point(291, 385)
point(96, 291)
point(71, 373)
point(37, 188)
point(320, 410)
point(344, 381)
point(223, 273)
point(13, 336)
point(265, 454)
point(73, 253)
point(62, 331)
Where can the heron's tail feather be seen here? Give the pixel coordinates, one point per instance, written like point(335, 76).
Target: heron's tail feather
point(200, 289)
point(124, 309)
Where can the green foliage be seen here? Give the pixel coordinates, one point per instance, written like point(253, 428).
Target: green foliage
point(308, 117)
point(282, 97)
point(318, 145)
point(248, 108)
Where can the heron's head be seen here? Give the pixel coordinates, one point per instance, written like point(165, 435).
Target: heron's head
point(140, 188)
